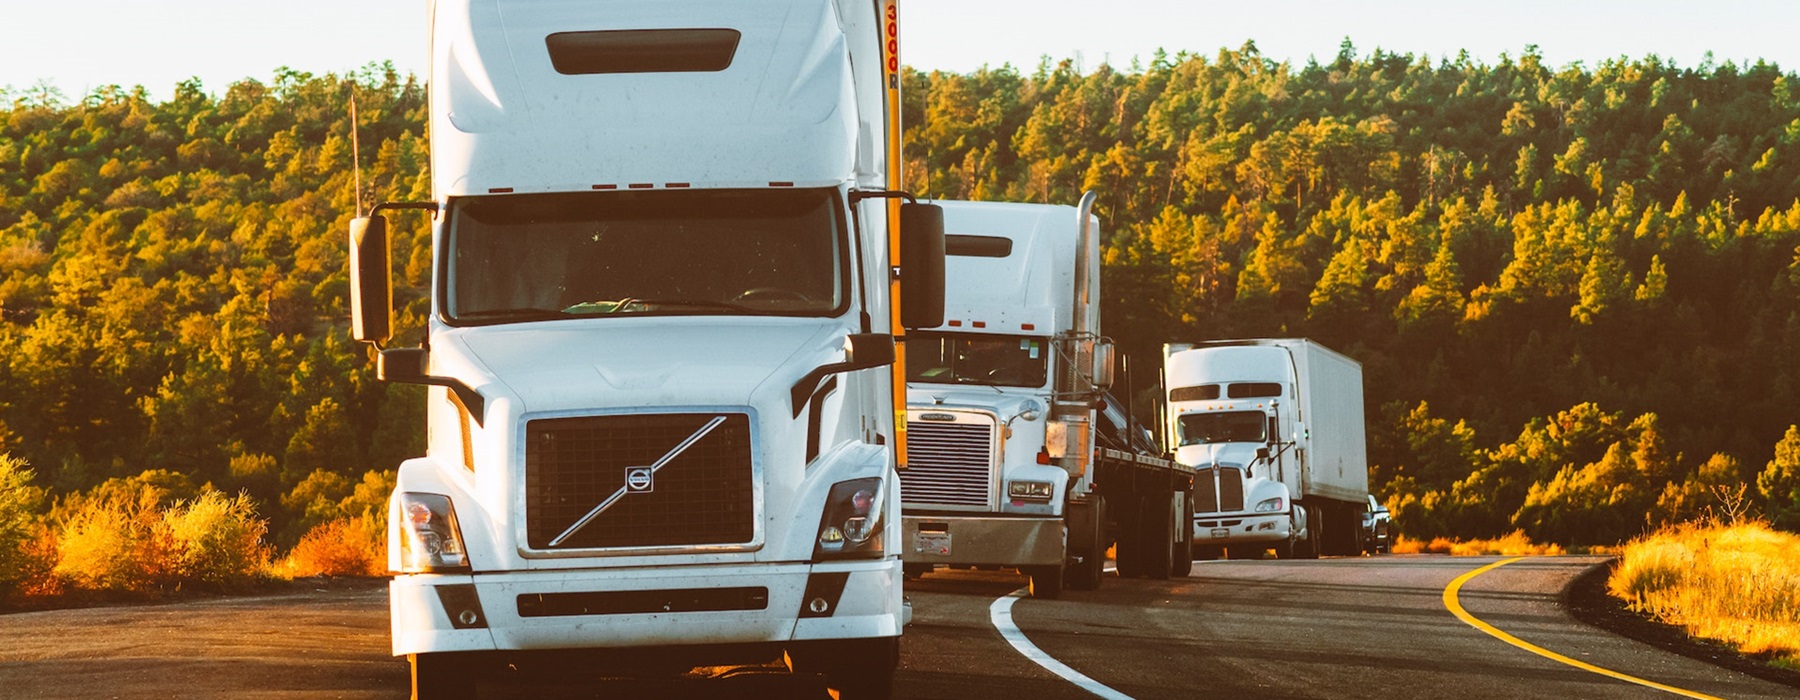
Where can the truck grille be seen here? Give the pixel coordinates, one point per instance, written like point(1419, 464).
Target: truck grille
point(1219, 490)
point(702, 495)
point(948, 464)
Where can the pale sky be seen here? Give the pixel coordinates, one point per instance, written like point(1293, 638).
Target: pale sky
point(78, 45)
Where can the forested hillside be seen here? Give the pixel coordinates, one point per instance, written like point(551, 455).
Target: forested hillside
point(1575, 291)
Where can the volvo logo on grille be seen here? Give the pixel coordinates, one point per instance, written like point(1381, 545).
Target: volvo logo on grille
point(640, 480)
point(945, 417)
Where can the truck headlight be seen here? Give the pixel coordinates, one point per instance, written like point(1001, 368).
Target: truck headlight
point(851, 525)
point(430, 540)
point(1030, 490)
point(1270, 505)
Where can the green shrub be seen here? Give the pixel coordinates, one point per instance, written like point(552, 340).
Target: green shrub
point(216, 540)
point(19, 516)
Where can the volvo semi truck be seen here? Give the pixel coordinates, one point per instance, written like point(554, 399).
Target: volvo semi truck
point(665, 411)
point(1275, 429)
point(1012, 461)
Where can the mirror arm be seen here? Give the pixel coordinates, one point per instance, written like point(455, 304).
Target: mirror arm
point(803, 389)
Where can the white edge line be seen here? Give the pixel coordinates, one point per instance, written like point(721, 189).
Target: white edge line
point(1000, 613)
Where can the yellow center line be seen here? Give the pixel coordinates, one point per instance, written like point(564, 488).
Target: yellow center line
point(1456, 608)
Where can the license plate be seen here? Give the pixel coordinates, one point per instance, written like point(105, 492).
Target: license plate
point(937, 543)
point(1221, 532)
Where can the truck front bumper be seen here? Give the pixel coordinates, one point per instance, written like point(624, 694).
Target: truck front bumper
point(982, 540)
point(757, 604)
point(1240, 528)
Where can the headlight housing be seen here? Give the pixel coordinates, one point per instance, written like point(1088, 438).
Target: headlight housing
point(430, 539)
point(1270, 505)
point(851, 525)
point(1030, 490)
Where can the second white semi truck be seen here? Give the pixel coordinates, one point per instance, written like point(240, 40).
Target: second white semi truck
point(1275, 429)
point(1012, 461)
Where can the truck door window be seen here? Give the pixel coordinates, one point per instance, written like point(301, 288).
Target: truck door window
point(1224, 426)
point(717, 252)
point(999, 360)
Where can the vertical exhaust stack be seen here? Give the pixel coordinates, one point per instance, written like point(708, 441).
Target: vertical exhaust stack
point(1070, 434)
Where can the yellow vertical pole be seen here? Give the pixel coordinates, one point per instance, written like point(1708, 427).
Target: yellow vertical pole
point(896, 180)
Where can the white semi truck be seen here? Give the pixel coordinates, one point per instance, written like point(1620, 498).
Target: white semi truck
point(1275, 429)
point(667, 249)
point(1010, 462)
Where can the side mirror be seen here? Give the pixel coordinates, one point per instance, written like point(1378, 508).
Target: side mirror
point(1103, 365)
point(921, 265)
point(869, 350)
point(401, 365)
point(371, 285)
point(1262, 454)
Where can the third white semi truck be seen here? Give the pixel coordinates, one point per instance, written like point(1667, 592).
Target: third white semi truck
point(1275, 429)
point(1017, 459)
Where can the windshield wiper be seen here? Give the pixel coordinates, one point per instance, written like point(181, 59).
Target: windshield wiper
point(641, 304)
point(520, 313)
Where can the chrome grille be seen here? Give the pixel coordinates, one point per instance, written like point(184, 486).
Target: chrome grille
point(1219, 490)
point(948, 464)
point(702, 495)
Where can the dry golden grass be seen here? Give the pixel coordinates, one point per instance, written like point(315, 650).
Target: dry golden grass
point(1513, 545)
point(1738, 584)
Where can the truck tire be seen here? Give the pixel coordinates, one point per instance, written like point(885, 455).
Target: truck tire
point(1309, 547)
point(1158, 534)
point(1085, 575)
point(1046, 581)
point(857, 669)
point(440, 677)
point(1181, 557)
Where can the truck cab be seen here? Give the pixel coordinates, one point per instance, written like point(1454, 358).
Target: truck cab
point(661, 348)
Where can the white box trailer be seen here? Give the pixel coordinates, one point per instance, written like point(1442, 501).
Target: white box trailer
point(1275, 428)
point(665, 412)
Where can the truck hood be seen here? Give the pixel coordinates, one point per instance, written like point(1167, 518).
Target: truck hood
point(628, 363)
point(1235, 454)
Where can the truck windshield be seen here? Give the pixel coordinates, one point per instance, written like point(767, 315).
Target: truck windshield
point(1225, 426)
point(1000, 360)
point(551, 256)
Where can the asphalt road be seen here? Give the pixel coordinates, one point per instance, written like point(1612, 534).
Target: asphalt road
point(1333, 628)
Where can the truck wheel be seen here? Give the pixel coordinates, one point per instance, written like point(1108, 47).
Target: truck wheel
point(1181, 557)
point(1084, 575)
point(1156, 532)
point(1046, 581)
point(1309, 547)
point(440, 676)
point(1285, 549)
point(857, 669)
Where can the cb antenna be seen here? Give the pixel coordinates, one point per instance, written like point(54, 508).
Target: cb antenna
point(355, 153)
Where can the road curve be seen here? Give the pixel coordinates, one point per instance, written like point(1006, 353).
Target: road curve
point(1333, 628)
